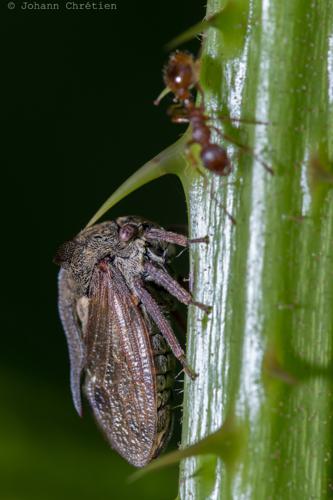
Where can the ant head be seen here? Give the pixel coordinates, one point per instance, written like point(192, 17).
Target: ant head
point(180, 74)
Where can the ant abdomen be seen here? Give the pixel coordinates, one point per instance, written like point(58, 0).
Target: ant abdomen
point(215, 158)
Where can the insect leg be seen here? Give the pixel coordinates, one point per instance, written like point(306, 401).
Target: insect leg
point(163, 325)
point(202, 95)
point(226, 118)
point(179, 119)
point(177, 114)
point(193, 159)
point(245, 148)
point(162, 278)
point(170, 237)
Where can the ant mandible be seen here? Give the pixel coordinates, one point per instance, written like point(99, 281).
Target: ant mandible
point(181, 74)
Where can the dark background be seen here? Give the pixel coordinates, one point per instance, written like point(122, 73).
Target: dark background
point(78, 120)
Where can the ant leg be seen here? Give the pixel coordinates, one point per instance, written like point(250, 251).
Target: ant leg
point(163, 325)
point(192, 158)
point(171, 237)
point(202, 95)
point(177, 113)
point(244, 148)
point(225, 210)
point(227, 118)
point(179, 119)
point(249, 150)
point(163, 279)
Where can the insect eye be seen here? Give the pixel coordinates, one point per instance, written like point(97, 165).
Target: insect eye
point(127, 232)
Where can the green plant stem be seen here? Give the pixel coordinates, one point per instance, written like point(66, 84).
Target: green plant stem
point(264, 355)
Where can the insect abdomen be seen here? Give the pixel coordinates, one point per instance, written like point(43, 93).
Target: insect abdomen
point(164, 367)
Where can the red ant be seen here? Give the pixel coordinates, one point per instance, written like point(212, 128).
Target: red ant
point(181, 74)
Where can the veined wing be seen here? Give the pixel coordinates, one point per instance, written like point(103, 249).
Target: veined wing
point(120, 373)
point(68, 315)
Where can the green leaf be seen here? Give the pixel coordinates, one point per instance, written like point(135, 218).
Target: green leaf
point(226, 443)
point(231, 21)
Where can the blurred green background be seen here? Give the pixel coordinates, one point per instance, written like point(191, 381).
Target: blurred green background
point(79, 119)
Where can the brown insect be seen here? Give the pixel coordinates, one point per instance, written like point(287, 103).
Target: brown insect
point(181, 75)
point(111, 309)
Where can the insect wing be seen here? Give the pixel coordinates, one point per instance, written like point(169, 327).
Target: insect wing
point(76, 348)
point(120, 376)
